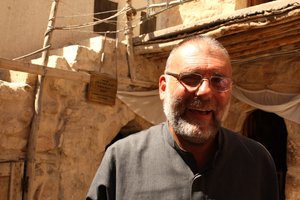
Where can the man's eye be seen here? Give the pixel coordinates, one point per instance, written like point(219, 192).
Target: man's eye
point(217, 79)
point(220, 82)
point(191, 79)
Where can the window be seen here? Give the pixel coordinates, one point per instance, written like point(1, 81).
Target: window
point(149, 25)
point(104, 6)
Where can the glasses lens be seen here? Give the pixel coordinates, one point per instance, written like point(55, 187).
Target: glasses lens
point(220, 83)
point(191, 80)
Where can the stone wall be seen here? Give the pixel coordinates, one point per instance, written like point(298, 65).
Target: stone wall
point(276, 73)
point(16, 107)
point(73, 132)
point(193, 12)
point(72, 139)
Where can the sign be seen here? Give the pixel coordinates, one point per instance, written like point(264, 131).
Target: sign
point(102, 88)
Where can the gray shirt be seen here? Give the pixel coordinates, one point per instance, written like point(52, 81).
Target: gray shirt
point(149, 165)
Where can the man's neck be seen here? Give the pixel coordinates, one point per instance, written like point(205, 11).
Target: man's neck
point(203, 153)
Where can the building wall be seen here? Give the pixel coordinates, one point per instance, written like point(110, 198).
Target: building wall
point(185, 13)
point(275, 73)
point(73, 132)
point(23, 24)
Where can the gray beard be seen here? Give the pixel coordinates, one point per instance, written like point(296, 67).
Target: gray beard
point(191, 131)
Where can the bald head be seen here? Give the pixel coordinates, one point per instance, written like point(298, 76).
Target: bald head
point(202, 43)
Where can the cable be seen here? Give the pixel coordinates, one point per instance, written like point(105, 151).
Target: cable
point(89, 14)
point(168, 5)
point(33, 53)
point(124, 10)
point(171, 3)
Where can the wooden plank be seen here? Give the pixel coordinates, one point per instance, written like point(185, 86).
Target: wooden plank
point(236, 34)
point(4, 187)
point(44, 71)
point(266, 46)
point(63, 74)
point(15, 187)
point(11, 174)
point(271, 37)
point(248, 14)
point(4, 169)
point(270, 33)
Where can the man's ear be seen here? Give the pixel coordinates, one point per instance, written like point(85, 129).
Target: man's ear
point(162, 86)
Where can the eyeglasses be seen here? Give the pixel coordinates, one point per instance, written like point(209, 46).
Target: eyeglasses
point(192, 81)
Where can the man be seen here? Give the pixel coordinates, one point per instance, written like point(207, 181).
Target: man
point(190, 156)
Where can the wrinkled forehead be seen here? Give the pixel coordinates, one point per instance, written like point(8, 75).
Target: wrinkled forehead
point(203, 48)
point(193, 52)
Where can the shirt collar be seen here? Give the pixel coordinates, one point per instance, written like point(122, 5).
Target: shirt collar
point(188, 157)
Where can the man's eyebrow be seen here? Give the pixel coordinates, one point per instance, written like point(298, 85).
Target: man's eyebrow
point(218, 74)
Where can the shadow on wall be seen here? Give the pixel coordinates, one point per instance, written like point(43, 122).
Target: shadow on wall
point(270, 130)
point(5, 75)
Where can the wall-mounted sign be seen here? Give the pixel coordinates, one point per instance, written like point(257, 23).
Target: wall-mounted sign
point(102, 88)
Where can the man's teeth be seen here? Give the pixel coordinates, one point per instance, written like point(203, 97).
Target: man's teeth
point(206, 111)
point(201, 109)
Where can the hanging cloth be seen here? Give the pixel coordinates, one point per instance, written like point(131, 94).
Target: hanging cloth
point(283, 104)
point(146, 104)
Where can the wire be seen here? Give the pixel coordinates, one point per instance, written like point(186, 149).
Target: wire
point(165, 4)
point(88, 14)
point(99, 21)
point(32, 53)
point(168, 5)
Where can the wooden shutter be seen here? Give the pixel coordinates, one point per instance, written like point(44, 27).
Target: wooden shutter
point(11, 176)
point(103, 6)
point(149, 25)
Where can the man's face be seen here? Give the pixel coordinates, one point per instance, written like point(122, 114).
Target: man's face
point(195, 115)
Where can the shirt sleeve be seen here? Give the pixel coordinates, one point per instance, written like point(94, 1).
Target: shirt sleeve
point(103, 184)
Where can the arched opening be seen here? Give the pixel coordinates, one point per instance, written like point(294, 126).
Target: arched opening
point(132, 127)
point(269, 129)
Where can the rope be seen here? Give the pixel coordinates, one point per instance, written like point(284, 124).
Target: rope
point(33, 53)
point(124, 10)
point(88, 14)
point(167, 5)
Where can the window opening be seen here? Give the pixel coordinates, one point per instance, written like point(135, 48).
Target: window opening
point(149, 25)
point(257, 2)
point(102, 6)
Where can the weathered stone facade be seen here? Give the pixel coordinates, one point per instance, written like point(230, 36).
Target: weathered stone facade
point(74, 132)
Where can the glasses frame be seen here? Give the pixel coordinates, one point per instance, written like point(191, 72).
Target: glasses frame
point(191, 88)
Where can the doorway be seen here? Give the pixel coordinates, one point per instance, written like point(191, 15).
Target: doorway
point(269, 129)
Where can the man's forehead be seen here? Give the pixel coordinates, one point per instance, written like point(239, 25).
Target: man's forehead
point(194, 54)
point(195, 51)
point(192, 48)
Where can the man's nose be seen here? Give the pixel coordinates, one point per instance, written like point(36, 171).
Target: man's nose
point(204, 88)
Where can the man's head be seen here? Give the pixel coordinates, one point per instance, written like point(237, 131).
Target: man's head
point(196, 88)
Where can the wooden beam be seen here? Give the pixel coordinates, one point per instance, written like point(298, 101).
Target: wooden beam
point(44, 71)
point(64, 74)
point(258, 13)
point(258, 31)
point(35, 124)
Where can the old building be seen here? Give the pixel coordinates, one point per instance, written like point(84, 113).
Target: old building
point(53, 138)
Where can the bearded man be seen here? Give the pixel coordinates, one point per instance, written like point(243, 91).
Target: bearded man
point(190, 156)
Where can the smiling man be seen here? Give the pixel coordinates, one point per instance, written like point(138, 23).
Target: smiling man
point(190, 156)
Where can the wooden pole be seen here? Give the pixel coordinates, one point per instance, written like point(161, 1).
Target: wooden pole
point(32, 142)
point(128, 36)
